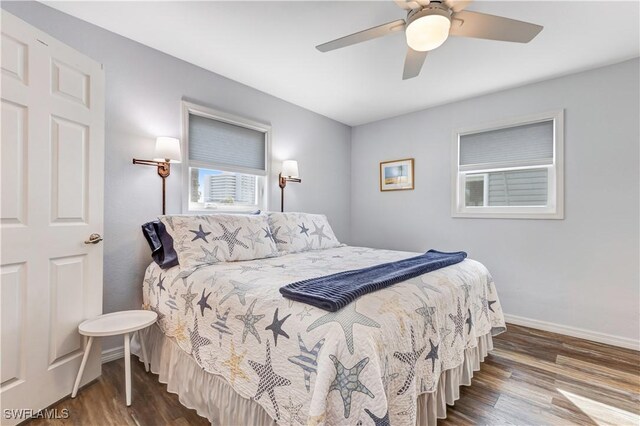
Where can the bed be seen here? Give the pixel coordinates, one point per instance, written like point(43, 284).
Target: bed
point(234, 349)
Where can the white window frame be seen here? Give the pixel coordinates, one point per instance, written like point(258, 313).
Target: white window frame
point(263, 184)
point(555, 190)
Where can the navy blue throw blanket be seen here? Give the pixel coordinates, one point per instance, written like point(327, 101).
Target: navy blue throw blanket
point(334, 292)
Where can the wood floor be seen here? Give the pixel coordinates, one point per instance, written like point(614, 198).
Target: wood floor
point(531, 378)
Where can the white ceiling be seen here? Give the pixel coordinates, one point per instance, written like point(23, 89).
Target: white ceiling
point(270, 46)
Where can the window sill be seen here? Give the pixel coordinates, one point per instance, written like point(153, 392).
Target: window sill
point(508, 215)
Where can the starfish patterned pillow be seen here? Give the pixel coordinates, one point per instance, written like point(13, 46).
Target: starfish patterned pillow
point(296, 232)
point(208, 239)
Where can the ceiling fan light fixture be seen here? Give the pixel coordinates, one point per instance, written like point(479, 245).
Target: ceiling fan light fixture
point(428, 29)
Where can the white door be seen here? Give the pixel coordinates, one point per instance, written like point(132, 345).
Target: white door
point(52, 175)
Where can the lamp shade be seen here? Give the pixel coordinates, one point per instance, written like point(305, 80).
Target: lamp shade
point(290, 169)
point(167, 149)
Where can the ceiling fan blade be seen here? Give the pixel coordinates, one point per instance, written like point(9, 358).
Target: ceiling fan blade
point(409, 4)
point(413, 63)
point(457, 5)
point(359, 37)
point(491, 27)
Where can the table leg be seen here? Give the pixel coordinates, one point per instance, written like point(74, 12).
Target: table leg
point(82, 364)
point(144, 352)
point(127, 368)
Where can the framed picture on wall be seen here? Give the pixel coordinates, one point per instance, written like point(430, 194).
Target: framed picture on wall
point(396, 175)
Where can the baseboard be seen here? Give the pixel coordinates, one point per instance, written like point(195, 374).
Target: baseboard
point(623, 342)
point(112, 354)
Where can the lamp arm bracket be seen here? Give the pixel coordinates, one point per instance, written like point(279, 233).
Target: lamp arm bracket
point(164, 167)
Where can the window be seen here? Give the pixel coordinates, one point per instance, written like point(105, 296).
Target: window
point(511, 169)
point(226, 161)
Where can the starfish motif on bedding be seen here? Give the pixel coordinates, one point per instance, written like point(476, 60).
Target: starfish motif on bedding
point(484, 307)
point(423, 286)
point(169, 220)
point(308, 245)
point(347, 317)
point(171, 302)
point(303, 229)
point(239, 289)
point(197, 341)
point(188, 299)
point(305, 312)
point(210, 363)
point(469, 320)
point(458, 322)
point(231, 238)
point(444, 332)
point(182, 244)
point(234, 364)
point(466, 288)
point(427, 314)
point(387, 377)
point(489, 303)
point(410, 358)
point(276, 327)
point(250, 320)
point(160, 285)
point(209, 256)
point(161, 316)
point(347, 381)
point(307, 360)
point(180, 331)
point(203, 302)
point(379, 421)
point(291, 233)
point(150, 280)
point(269, 380)
point(200, 234)
point(183, 275)
point(319, 232)
point(294, 412)
point(220, 324)
point(254, 238)
point(243, 269)
point(274, 235)
point(432, 355)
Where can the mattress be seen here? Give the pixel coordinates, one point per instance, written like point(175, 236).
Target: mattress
point(366, 363)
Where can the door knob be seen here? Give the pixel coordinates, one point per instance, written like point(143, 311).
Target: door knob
point(93, 239)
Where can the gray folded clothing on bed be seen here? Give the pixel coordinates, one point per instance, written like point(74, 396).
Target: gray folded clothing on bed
point(334, 292)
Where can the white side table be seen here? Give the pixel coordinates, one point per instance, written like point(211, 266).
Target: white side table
point(113, 324)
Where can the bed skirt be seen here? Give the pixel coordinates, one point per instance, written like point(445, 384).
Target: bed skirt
point(213, 398)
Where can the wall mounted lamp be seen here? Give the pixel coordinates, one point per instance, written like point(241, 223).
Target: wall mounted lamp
point(167, 152)
point(289, 173)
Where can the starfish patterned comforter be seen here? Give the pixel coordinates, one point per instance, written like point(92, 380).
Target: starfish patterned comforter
point(366, 363)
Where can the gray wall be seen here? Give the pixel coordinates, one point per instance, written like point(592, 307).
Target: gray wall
point(143, 92)
point(581, 271)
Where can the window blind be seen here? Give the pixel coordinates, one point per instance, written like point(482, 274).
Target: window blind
point(224, 145)
point(529, 144)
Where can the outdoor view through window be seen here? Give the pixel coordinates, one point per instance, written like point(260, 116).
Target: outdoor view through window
point(215, 189)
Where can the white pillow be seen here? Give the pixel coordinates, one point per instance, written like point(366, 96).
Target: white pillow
point(296, 232)
point(207, 239)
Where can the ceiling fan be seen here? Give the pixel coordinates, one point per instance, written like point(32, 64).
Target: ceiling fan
point(430, 23)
